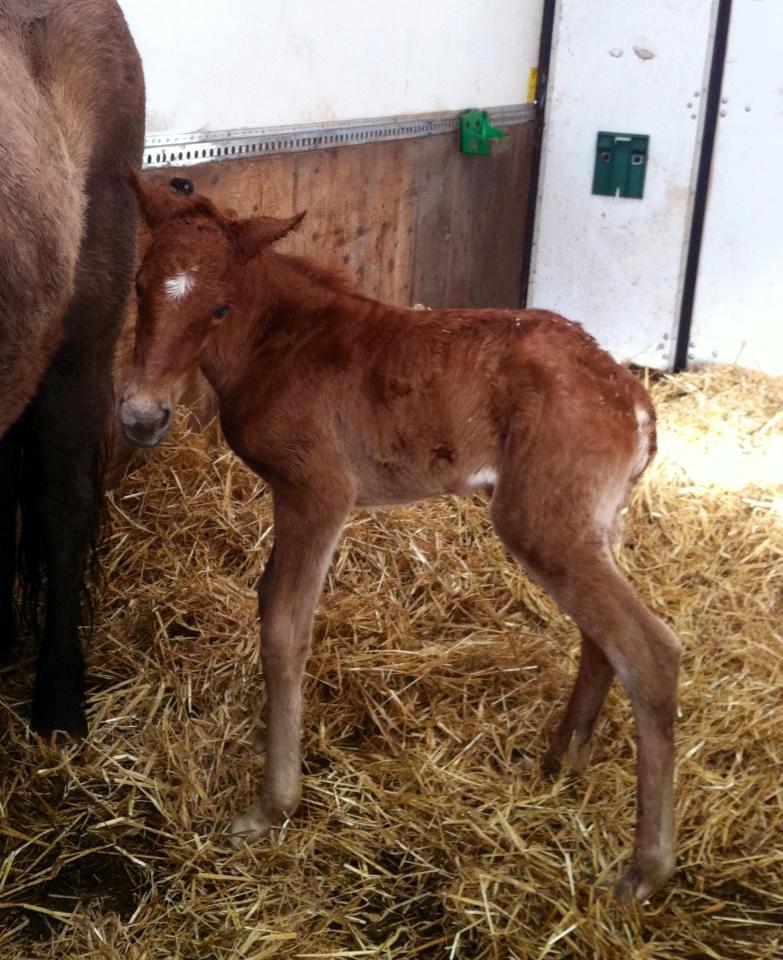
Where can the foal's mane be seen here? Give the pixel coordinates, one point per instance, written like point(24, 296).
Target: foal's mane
point(332, 278)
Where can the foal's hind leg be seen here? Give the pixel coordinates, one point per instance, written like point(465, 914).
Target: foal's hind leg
point(587, 697)
point(581, 575)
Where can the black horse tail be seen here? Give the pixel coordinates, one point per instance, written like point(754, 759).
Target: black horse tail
point(28, 488)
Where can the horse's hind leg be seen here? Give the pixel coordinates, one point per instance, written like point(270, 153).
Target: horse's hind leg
point(67, 425)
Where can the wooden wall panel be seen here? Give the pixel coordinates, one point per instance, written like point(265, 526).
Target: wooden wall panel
point(410, 220)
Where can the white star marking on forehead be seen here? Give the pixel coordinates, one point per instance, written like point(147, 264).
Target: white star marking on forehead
point(177, 288)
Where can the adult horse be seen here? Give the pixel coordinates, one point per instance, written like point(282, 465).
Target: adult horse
point(72, 121)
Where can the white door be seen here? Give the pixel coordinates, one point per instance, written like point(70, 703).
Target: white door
point(738, 310)
point(612, 263)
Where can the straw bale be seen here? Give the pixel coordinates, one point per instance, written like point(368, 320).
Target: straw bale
point(437, 675)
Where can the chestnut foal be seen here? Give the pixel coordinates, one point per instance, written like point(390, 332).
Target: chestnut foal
point(339, 401)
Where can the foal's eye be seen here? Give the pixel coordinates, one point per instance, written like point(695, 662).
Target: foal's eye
point(222, 311)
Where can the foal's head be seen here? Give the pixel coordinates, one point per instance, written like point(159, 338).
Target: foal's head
point(187, 286)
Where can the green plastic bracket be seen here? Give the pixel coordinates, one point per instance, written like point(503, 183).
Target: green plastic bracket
point(477, 135)
point(620, 164)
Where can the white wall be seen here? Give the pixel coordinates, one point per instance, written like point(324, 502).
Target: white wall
point(251, 63)
point(615, 264)
point(738, 313)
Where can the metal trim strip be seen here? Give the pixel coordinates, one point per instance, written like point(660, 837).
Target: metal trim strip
point(186, 149)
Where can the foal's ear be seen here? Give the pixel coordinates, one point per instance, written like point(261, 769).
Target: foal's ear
point(156, 204)
point(254, 233)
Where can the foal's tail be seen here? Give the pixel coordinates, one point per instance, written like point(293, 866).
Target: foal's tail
point(611, 506)
point(646, 437)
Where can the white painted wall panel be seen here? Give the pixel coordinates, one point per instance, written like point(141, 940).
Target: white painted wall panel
point(738, 314)
point(614, 264)
point(252, 63)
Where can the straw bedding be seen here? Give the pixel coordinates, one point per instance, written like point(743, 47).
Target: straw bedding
point(437, 675)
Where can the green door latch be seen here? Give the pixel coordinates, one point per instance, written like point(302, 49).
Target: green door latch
point(620, 164)
point(477, 135)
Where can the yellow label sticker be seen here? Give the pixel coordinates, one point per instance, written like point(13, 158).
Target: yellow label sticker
point(532, 83)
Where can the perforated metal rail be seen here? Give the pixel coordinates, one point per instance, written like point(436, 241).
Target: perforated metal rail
point(184, 149)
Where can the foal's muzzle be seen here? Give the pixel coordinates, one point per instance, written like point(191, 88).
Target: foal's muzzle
point(144, 422)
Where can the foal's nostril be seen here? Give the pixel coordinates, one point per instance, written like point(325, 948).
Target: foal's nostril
point(144, 423)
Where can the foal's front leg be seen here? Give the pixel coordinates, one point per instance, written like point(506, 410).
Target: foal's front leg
point(306, 532)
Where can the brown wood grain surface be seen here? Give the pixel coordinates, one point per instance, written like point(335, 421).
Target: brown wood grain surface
point(409, 220)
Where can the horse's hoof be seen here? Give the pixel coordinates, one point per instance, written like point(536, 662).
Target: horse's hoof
point(59, 720)
point(58, 703)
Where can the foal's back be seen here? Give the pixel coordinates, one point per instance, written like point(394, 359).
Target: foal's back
point(455, 386)
point(419, 403)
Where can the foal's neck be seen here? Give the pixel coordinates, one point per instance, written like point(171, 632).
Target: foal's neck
point(277, 294)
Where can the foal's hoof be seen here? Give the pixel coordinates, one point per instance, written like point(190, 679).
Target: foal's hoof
point(251, 826)
point(639, 882)
point(578, 756)
point(574, 759)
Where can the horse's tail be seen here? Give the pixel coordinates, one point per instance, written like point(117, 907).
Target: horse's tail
point(28, 488)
